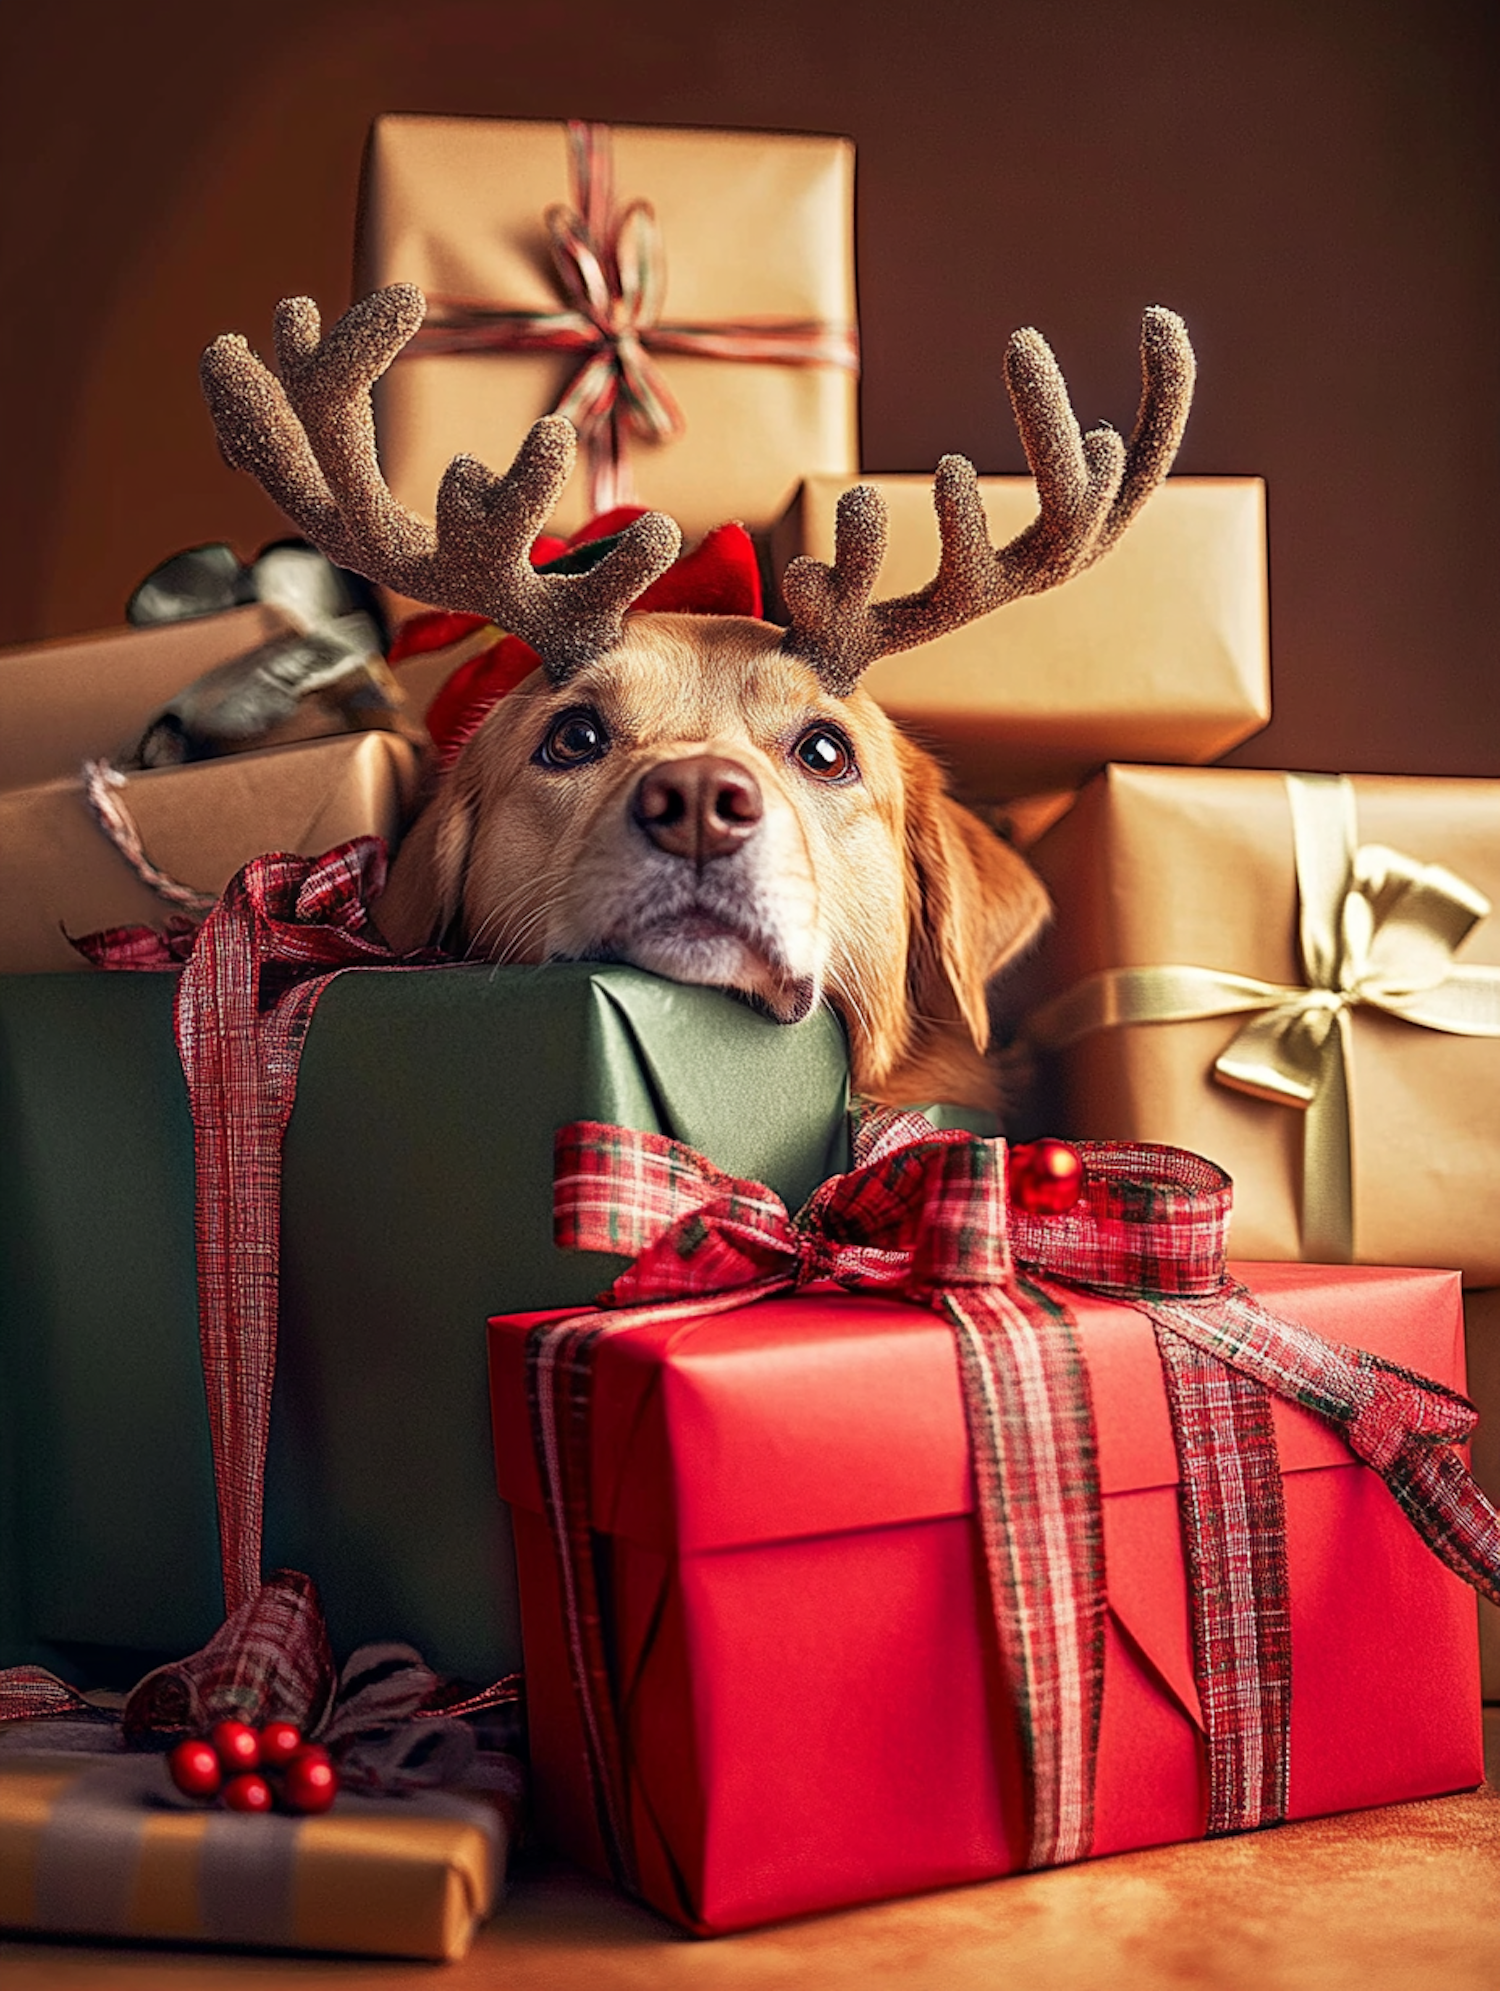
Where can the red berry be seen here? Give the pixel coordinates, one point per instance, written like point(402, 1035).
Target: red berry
point(248, 1792)
point(195, 1768)
point(1045, 1178)
point(279, 1743)
point(238, 1745)
point(309, 1782)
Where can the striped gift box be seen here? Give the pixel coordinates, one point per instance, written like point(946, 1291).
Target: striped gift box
point(103, 1846)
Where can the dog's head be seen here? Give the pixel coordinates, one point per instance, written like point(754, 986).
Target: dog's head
point(710, 797)
point(697, 803)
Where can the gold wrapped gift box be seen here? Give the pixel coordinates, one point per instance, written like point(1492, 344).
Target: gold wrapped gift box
point(82, 697)
point(89, 698)
point(757, 230)
point(101, 1846)
point(1157, 653)
point(199, 824)
point(1177, 896)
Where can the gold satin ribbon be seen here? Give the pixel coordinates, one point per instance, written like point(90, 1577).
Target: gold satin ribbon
point(1376, 928)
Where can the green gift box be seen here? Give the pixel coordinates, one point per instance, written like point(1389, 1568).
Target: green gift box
point(416, 1202)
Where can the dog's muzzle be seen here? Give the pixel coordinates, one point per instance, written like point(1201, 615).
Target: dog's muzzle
point(699, 906)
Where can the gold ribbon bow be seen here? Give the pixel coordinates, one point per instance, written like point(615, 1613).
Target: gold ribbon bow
point(1377, 928)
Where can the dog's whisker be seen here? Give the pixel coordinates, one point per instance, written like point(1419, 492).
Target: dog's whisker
point(849, 1000)
point(510, 924)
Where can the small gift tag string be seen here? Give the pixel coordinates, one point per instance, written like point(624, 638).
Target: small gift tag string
point(103, 787)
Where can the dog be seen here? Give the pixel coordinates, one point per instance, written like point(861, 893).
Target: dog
point(696, 804)
point(712, 798)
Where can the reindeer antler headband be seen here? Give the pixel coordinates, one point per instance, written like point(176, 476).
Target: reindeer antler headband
point(309, 438)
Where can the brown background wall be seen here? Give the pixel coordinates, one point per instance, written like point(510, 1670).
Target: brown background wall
point(1311, 182)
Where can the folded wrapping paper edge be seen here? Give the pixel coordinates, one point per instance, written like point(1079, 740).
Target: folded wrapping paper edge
point(102, 1845)
point(381, 756)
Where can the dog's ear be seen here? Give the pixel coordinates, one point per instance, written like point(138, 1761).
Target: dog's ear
point(424, 895)
point(973, 903)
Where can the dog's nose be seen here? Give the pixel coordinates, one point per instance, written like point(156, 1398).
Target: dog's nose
point(702, 807)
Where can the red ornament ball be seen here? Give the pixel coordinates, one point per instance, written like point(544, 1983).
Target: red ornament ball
point(248, 1792)
point(195, 1768)
point(309, 1781)
point(279, 1743)
point(1045, 1178)
point(237, 1744)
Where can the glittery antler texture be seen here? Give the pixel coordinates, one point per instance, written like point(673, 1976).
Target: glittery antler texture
point(1089, 488)
point(309, 438)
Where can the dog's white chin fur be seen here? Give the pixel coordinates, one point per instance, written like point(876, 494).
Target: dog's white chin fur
point(714, 956)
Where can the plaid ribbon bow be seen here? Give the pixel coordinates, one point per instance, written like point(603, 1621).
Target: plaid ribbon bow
point(611, 271)
point(924, 1217)
point(920, 1218)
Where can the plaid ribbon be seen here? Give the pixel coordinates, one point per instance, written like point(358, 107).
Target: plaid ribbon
point(1234, 1544)
point(923, 1216)
point(283, 929)
point(1152, 1228)
point(390, 1723)
point(611, 272)
point(921, 1219)
point(1406, 1427)
point(252, 977)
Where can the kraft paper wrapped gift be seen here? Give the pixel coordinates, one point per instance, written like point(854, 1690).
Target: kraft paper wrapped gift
point(756, 233)
point(90, 698)
point(1197, 871)
point(809, 1709)
point(103, 1846)
point(60, 876)
point(1160, 652)
point(417, 1196)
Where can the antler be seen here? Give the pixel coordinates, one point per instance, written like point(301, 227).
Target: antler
point(1089, 488)
point(309, 438)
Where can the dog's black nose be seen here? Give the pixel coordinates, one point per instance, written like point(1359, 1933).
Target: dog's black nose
point(702, 807)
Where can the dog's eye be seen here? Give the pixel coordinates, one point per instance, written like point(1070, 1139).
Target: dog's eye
point(826, 753)
point(576, 738)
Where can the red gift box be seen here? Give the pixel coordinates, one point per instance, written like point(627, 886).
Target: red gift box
point(804, 1661)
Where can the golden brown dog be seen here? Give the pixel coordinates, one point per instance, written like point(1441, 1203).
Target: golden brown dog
point(695, 803)
point(709, 797)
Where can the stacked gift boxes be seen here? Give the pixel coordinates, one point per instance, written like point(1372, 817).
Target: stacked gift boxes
point(1159, 655)
point(1298, 976)
point(417, 1166)
point(88, 699)
point(809, 1455)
